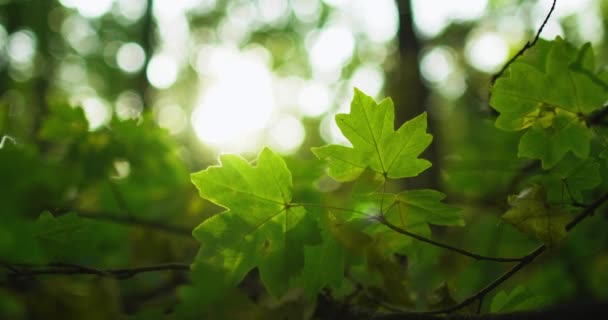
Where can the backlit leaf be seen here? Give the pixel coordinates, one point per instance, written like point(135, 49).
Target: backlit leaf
point(376, 145)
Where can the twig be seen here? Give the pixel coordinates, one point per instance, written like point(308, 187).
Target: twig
point(130, 221)
point(446, 246)
point(479, 295)
point(382, 220)
point(73, 269)
point(527, 46)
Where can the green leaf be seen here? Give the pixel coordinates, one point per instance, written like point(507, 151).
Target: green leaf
point(566, 80)
point(570, 177)
point(69, 237)
point(323, 265)
point(549, 90)
point(376, 145)
point(260, 228)
point(64, 123)
point(414, 210)
point(531, 214)
point(518, 299)
point(550, 145)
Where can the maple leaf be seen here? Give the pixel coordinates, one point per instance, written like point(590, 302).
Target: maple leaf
point(531, 214)
point(376, 145)
point(260, 228)
point(549, 90)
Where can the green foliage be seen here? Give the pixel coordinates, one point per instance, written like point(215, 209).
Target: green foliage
point(287, 239)
point(549, 91)
point(516, 300)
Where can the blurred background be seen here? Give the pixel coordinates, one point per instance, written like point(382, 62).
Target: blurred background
point(85, 86)
point(233, 76)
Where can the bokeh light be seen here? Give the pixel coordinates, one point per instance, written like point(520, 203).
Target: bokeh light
point(237, 102)
point(130, 57)
point(162, 71)
point(487, 52)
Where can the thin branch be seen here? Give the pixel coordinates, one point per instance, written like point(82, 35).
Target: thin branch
point(446, 246)
point(527, 46)
point(598, 117)
point(122, 273)
point(382, 220)
point(130, 221)
point(479, 295)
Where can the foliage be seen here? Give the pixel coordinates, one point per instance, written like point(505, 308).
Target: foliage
point(279, 238)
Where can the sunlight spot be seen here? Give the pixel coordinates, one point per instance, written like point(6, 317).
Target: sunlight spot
point(132, 10)
point(162, 71)
point(431, 17)
point(238, 102)
point(96, 111)
point(369, 79)
point(314, 99)
point(486, 52)
point(330, 132)
point(437, 64)
point(89, 8)
point(552, 29)
point(122, 169)
point(306, 10)
point(272, 10)
point(172, 118)
point(379, 19)
point(286, 135)
point(130, 57)
point(129, 105)
point(79, 33)
point(331, 48)
point(21, 47)
point(72, 71)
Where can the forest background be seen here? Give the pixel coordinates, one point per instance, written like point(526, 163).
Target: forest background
point(107, 107)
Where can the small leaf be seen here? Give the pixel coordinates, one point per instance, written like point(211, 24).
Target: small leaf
point(550, 145)
point(376, 145)
point(414, 210)
point(70, 238)
point(518, 299)
point(531, 214)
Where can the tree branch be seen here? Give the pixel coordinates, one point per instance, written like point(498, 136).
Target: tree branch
point(446, 246)
point(130, 221)
point(529, 258)
point(74, 269)
point(382, 220)
point(527, 46)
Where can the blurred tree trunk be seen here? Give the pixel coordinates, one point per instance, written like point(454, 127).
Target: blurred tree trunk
point(147, 36)
point(410, 94)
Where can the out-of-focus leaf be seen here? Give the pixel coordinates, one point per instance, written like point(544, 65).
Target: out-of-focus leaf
point(531, 214)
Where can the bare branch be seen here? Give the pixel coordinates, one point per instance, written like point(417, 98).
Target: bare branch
point(74, 269)
point(527, 46)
